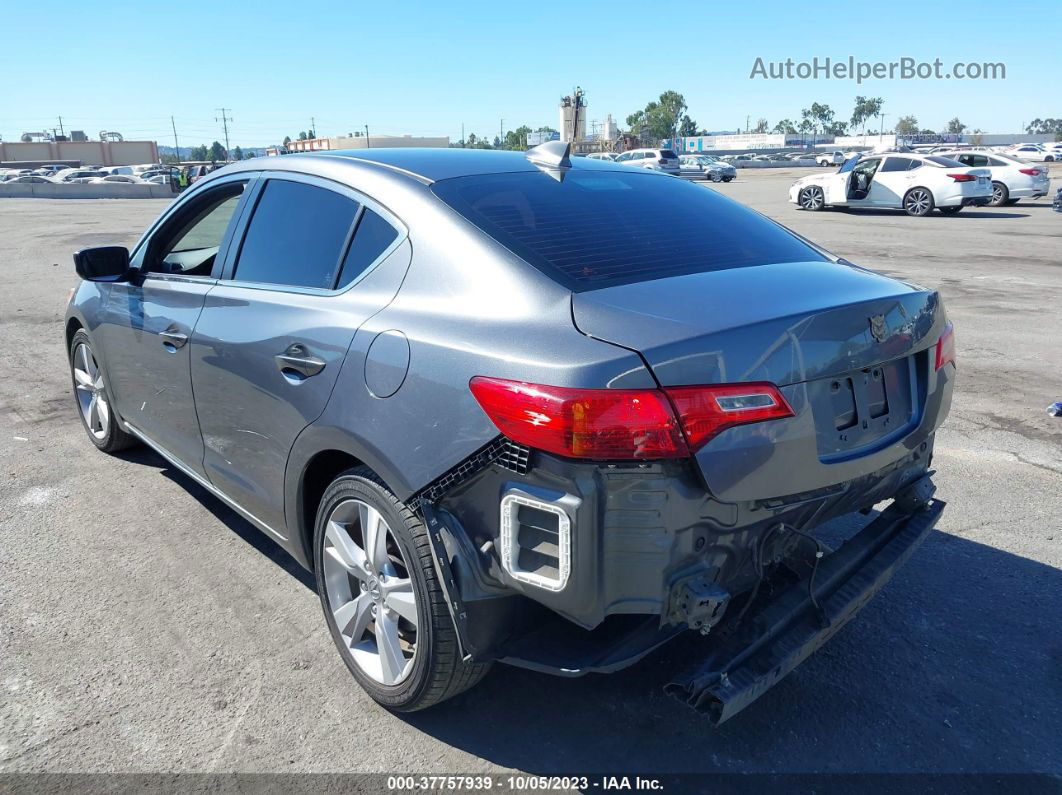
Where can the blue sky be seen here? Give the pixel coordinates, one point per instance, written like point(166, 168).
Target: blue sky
point(425, 69)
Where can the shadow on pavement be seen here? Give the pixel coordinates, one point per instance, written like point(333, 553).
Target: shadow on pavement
point(237, 524)
point(955, 667)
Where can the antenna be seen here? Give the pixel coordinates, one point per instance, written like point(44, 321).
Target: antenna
point(555, 154)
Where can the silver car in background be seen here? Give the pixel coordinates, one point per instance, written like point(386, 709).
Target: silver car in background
point(708, 166)
point(664, 160)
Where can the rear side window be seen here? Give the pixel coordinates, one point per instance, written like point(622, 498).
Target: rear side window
point(371, 239)
point(297, 236)
point(896, 164)
point(598, 229)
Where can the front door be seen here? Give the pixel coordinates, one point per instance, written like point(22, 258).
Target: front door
point(274, 332)
point(149, 319)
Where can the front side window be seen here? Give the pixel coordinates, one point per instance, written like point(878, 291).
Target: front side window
point(188, 245)
point(297, 236)
point(597, 229)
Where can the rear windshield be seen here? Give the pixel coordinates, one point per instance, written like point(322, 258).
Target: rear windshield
point(667, 153)
point(598, 228)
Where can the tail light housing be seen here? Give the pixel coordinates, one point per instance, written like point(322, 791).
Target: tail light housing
point(1032, 172)
point(946, 347)
point(963, 177)
point(623, 424)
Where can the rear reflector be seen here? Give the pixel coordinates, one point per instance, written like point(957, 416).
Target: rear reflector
point(946, 347)
point(622, 424)
point(963, 177)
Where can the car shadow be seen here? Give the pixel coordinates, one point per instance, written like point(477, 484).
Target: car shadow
point(246, 531)
point(955, 667)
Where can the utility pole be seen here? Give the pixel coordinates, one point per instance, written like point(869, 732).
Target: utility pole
point(176, 146)
point(225, 119)
point(313, 127)
point(501, 131)
point(881, 129)
point(368, 143)
point(61, 126)
point(746, 125)
point(462, 135)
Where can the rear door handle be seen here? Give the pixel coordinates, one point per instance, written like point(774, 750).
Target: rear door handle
point(172, 338)
point(298, 363)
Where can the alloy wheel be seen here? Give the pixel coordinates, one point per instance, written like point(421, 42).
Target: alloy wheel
point(91, 392)
point(370, 592)
point(918, 202)
point(811, 198)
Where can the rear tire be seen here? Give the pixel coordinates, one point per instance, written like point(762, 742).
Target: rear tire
point(918, 202)
point(434, 671)
point(1000, 194)
point(93, 398)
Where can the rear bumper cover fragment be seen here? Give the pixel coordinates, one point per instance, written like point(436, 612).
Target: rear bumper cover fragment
point(777, 637)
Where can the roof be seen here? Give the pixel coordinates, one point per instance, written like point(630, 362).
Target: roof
point(434, 164)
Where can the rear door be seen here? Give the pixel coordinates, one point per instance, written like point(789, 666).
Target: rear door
point(891, 181)
point(274, 332)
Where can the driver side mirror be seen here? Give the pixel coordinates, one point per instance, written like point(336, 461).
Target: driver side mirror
point(102, 263)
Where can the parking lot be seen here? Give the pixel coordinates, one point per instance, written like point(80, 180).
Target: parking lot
point(143, 628)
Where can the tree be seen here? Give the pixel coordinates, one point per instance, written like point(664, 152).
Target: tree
point(1045, 127)
point(302, 136)
point(865, 109)
point(249, 155)
point(955, 127)
point(687, 127)
point(761, 126)
point(170, 160)
point(660, 119)
point(237, 153)
point(549, 130)
point(785, 126)
point(906, 125)
point(822, 115)
point(517, 139)
point(287, 140)
point(217, 152)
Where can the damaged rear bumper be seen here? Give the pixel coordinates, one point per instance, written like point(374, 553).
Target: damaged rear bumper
point(777, 636)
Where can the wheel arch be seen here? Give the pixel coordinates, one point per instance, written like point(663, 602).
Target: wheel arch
point(319, 455)
point(73, 326)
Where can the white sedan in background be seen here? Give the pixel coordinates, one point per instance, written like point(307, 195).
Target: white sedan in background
point(1012, 179)
point(1032, 152)
point(914, 183)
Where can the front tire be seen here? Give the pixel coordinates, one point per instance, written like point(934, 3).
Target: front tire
point(93, 399)
point(918, 202)
point(1000, 194)
point(811, 198)
point(381, 597)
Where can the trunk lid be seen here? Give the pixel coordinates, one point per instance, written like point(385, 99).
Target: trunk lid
point(850, 350)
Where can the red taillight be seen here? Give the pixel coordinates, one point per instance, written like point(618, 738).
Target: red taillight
point(963, 177)
point(622, 424)
point(946, 347)
point(706, 411)
point(1032, 172)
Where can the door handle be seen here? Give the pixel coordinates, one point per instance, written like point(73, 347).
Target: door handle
point(297, 362)
point(171, 337)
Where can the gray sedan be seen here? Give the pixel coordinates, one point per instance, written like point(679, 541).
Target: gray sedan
point(541, 410)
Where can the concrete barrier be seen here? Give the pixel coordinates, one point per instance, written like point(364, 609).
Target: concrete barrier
point(103, 190)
